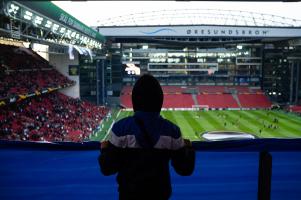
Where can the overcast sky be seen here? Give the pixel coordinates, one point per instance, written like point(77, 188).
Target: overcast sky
point(89, 12)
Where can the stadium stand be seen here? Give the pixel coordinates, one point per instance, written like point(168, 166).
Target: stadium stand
point(178, 101)
point(51, 117)
point(296, 109)
point(254, 101)
point(170, 101)
point(211, 96)
point(217, 100)
point(17, 58)
point(239, 89)
point(126, 90)
point(173, 89)
point(42, 117)
point(211, 89)
point(23, 72)
point(24, 82)
point(126, 100)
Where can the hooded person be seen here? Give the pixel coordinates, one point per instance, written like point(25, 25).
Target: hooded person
point(140, 147)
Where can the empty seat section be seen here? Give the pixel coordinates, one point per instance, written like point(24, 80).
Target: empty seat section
point(254, 101)
point(217, 100)
point(240, 89)
point(173, 89)
point(178, 101)
point(126, 89)
point(211, 89)
point(126, 101)
point(296, 109)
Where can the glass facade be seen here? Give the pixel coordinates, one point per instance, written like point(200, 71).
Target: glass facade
point(275, 69)
point(88, 80)
point(281, 74)
point(240, 65)
point(92, 80)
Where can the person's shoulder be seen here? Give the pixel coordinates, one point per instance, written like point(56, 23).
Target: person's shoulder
point(122, 124)
point(122, 135)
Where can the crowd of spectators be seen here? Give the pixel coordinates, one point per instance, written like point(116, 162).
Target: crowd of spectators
point(46, 117)
point(50, 117)
point(23, 71)
point(18, 58)
point(24, 82)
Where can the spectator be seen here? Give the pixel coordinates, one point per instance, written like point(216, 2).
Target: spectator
point(140, 147)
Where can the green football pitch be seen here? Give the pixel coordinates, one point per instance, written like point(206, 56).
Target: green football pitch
point(262, 123)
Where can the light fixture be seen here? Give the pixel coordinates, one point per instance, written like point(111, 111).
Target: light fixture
point(62, 30)
point(48, 24)
point(73, 34)
point(55, 27)
point(38, 20)
point(28, 15)
point(68, 33)
point(13, 9)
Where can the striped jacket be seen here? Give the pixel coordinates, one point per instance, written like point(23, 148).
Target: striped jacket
point(143, 169)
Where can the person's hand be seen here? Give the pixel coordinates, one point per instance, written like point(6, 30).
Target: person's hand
point(104, 144)
point(187, 143)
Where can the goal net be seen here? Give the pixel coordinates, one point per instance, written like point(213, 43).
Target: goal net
point(200, 107)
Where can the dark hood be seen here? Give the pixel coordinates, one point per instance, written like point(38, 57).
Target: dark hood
point(147, 94)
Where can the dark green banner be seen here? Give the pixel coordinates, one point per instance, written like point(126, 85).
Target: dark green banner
point(55, 13)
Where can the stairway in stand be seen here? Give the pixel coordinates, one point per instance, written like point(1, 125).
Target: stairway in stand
point(196, 103)
point(235, 97)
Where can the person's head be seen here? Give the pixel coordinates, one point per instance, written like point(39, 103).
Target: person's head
point(147, 94)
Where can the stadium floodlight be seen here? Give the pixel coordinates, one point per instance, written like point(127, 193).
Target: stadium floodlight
point(13, 9)
point(98, 45)
point(38, 20)
point(48, 24)
point(28, 15)
point(85, 40)
point(239, 46)
point(73, 34)
point(68, 33)
point(88, 41)
point(62, 30)
point(55, 27)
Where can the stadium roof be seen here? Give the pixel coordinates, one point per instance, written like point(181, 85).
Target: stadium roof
point(200, 17)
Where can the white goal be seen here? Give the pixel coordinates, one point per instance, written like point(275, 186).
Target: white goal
point(200, 107)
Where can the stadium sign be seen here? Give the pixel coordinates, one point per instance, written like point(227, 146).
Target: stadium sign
point(227, 32)
point(200, 30)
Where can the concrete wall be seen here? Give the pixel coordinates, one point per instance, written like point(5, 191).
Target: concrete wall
point(61, 62)
point(42, 50)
